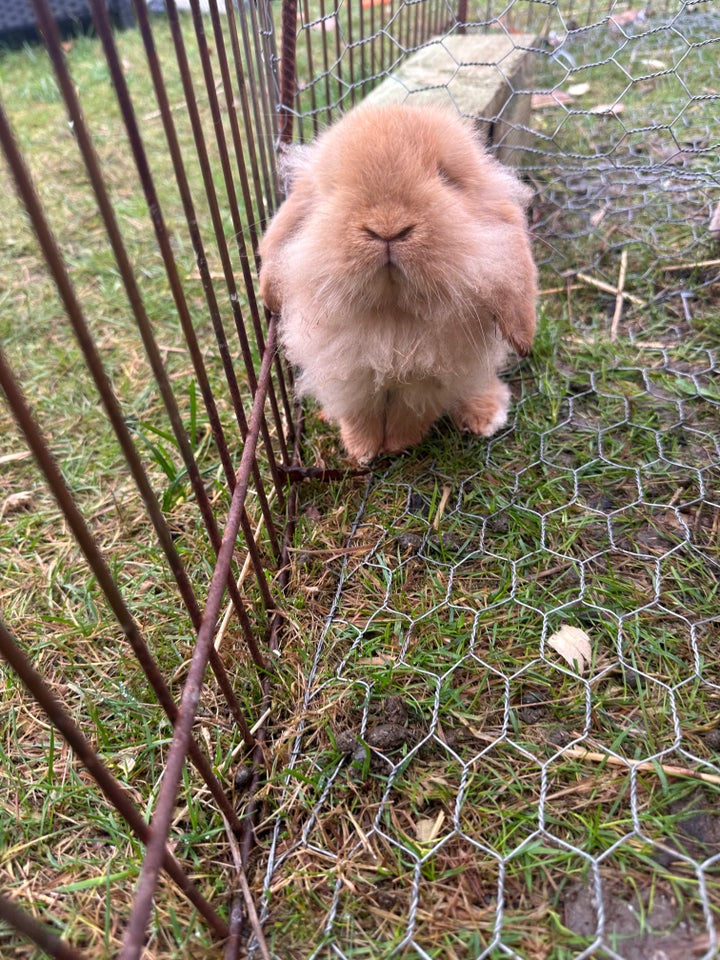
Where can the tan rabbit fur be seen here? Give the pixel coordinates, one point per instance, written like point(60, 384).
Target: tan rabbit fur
point(401, 266)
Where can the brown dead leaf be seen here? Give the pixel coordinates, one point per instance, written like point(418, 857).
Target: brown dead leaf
point(14, 457)
point(715, 223)
point(428, 829)
point(573, 645)
point(540, 101)
point(22, 500)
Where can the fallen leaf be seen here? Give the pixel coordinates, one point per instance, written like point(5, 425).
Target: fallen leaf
point(574, 645)
point(427, 829)
point(540, 101)
point(126, 762)
point(608, 108)
point(441, 506)
point(22, 500)
point(654, 64)
point(578, 89)
point(715, 223)
point(12, 457)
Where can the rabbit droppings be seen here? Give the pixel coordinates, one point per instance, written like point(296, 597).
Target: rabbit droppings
point(400, 264)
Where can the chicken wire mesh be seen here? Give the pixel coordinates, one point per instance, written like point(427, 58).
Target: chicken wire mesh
point(432, 776)
point(467, 776)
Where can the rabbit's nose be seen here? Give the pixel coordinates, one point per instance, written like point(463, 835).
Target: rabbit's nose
point(387, 236)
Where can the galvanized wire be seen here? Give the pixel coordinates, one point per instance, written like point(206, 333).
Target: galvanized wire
point(355, 835)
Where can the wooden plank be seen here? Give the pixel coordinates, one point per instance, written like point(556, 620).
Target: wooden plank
point(485, 75)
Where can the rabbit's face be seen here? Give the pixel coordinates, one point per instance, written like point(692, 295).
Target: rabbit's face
point(397, 233)
point(398, 212)
point(401, 215)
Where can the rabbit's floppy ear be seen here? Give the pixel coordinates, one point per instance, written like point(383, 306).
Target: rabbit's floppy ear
point(516, 292)
point(516, 319)
point(515, 313)
point(501, 202)
point(289, 218)
point(293, 159)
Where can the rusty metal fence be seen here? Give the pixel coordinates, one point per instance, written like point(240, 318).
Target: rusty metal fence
point(180, 564)
point(253, 438)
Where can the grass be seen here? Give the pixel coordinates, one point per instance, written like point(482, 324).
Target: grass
point(476, 813)
point(437, 783)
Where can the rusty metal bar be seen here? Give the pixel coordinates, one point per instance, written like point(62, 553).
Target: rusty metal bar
point(288, 72)
point(103, 27)
point(95, 366)
point(257, 144)
point(231, 104)
point(280, 373)
point(374, 42)
point(462, 15)
point(233, 206)
point(234, 209)
point(254, 143)
point(350, 47)
point(201, 259)
point(325, 60)
point(52, 39)
point(310, 66)
point(201, 149)
point(438, 22)
point(100, 569)
point(38, 932)
point(57, 484)
point(417, 17)
point(268, 59)
point(262, 109)
point(265, 139)
point(424, 21)
point(384, 51)
point(364, 43)
point(113, 791)
point(253, 807)
point(160, 824)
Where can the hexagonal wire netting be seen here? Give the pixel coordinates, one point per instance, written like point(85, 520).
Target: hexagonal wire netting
point(460, 782)
point(444, 770)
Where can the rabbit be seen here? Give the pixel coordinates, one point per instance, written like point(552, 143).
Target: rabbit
point(401, 267)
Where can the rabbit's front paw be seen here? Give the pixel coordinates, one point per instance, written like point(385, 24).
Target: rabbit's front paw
point(361, 438)
point(484, 413)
